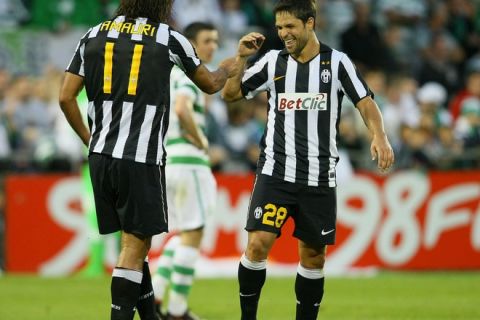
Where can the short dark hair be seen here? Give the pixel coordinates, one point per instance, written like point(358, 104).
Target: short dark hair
point(156, 10)
point(301, 9)
point(192, 30)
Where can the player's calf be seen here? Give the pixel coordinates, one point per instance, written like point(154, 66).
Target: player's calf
point(309, 286)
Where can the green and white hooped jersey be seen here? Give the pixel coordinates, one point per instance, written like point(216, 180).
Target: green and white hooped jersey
point(179, 149)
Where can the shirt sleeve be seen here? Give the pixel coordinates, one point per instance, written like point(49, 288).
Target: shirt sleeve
point(182, 53)
point(255, 78)
point(77, 63)
point(351, 81)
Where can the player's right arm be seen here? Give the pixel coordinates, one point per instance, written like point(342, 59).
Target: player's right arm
point(248, 45)
point(71, 87)
point(72, 84)
point(185, 113)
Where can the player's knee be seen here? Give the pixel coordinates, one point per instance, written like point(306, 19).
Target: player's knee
point(133, 251)
point(192, 238)
point(256, 250)
point(131, 258)
point(312, 256)
point(314, 261)
point(259, 245)
point(148, 244)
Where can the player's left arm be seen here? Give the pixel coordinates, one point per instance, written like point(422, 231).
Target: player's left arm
point(185, 113)
point(380, 147)
point(213, 81)
point(184, 56)
point(71, 87)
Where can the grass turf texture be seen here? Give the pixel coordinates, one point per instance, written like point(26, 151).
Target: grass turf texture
point(403, 296)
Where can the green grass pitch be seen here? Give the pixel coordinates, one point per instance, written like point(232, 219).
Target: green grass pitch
point(439, 295)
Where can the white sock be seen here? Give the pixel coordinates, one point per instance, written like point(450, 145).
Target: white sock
point(161, 278)
point(182, 279)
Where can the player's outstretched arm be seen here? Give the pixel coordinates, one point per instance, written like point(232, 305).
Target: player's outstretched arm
point(380, 147)
point(71, 86)
point(247, 46)
point(212, 82)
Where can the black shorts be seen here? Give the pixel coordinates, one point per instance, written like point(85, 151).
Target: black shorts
point(314, 209)
point(129, 196)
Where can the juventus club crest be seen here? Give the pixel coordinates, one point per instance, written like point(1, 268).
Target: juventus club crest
point(258, 212)
point(326, 76)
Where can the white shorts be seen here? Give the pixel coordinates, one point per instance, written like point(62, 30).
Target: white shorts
point(191, 196)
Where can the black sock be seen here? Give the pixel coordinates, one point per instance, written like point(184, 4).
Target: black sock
point(251, 283)
point(309, 294)
point(146, 301)
point(125, 290)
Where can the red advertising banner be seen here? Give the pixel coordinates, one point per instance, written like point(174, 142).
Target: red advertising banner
point(45, 227)
point(407, 221)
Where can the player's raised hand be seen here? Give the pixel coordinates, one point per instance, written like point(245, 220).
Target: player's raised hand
point(250, 43)
point(382, 152)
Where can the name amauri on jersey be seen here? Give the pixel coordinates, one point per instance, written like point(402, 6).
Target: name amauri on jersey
point(128, 27)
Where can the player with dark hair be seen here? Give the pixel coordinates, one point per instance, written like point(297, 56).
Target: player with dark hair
point(305, 83)
point(125, 65)
point(191, 186)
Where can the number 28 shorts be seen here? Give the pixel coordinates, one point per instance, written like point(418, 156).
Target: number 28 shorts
point(313, 209)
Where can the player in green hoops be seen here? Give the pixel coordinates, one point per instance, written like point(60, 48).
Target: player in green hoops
point(191, 186)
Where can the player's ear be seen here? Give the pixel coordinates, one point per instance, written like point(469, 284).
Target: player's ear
point(193, 42)
point(310, 24)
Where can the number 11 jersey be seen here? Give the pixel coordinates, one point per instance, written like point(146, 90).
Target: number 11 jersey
point(126, 66)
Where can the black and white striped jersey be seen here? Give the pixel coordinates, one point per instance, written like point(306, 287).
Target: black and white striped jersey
point(126, 66)
point(304, 103)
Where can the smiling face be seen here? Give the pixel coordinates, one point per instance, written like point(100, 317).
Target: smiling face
point(206, 43)
point(294, 33)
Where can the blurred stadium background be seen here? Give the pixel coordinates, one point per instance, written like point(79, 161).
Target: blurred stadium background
point(422, 60)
